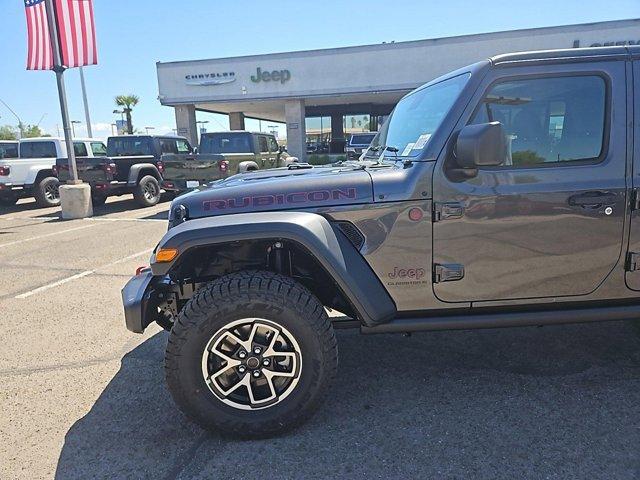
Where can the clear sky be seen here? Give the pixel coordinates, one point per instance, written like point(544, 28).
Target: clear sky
point(133, 35)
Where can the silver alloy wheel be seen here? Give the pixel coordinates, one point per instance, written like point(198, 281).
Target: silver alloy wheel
point(149, 191)
point(252, 363)
point(51, 192)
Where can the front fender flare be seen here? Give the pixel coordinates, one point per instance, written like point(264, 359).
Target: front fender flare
point(330, 247)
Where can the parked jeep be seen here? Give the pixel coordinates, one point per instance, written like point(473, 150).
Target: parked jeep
point(222, 154)
point(133, 164)
point(30, 173)
point(505, 193)
point(358, 143)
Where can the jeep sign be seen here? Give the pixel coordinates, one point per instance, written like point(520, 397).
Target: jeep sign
point(281, 76)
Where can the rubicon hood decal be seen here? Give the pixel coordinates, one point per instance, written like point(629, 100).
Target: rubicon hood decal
point(281, 189)
point(342, 195)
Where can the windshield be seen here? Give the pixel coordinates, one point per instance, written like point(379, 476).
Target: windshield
point(418, 115)
point(226, 143)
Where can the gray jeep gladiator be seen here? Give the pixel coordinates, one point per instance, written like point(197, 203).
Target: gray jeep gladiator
point(506, 193)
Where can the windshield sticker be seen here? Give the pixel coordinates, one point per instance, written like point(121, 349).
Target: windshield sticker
point(422, 141)
point(407, 149)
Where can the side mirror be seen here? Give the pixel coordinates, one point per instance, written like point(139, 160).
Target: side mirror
point(482, 145)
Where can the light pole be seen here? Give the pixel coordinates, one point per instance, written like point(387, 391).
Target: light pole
point(201, 122)
point(73, 128)
point(149, 128)
point(20, 124)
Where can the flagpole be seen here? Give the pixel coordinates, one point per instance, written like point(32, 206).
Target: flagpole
point(62, 94)
point(86, 103)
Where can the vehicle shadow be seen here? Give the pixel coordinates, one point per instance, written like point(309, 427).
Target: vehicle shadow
point(120, 205)
point(554, 402)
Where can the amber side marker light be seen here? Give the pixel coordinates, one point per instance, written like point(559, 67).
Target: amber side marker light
point(166, 254)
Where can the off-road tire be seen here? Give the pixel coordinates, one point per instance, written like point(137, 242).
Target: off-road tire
point(142, 191)
point(46, 192)
point(98, 199)
point(259, 295)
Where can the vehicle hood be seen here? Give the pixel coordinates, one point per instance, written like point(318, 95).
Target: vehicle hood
point(280, 189)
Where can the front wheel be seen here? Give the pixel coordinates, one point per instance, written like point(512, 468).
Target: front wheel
point(252, 354)
point(147, 193)
point(47, 192)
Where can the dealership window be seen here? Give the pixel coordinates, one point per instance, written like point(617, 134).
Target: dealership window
point(318, 134)
point(358, 123)
point(548, 120)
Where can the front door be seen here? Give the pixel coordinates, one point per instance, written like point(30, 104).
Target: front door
point(549, 221)
point(633, 259)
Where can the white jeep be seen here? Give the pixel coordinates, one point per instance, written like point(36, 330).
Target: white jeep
point(31, 174)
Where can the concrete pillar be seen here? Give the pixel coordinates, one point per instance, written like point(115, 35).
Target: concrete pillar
point(337, 134)
point(75, 201)
point(236, 121)
point(186, 122)
point(296, 130)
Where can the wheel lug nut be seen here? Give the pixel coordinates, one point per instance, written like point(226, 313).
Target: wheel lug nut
point(257, 350)
point(242, 354)
point(256, 373)
point(242, 368)
point(265, 362)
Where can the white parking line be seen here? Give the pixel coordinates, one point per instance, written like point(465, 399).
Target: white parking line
point(62, 281)
point(126, 219)
point(37, 237)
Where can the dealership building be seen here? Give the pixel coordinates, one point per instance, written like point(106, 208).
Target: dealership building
point(324, 95)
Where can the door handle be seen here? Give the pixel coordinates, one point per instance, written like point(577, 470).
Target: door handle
point(592, 199)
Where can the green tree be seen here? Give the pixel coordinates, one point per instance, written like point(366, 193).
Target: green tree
point(7, 132)
point(31, 131)
point(127, 102)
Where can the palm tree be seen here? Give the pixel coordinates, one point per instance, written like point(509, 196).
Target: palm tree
point(127, 102)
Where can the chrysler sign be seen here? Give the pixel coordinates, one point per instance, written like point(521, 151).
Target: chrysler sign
point(204, 79)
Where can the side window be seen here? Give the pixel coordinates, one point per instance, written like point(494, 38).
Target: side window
point(9, 150)
point(262, 143)
point(273, 145)
point(98, 149)
point(38, 150)
point(183, 146)
point(548, 120)
point(168, 146)
point(80, 149)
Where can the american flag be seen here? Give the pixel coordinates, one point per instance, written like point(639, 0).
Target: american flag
point(39, 54)
point(76, 34)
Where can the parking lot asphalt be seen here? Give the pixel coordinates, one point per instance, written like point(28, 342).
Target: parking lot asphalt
point(81, 397)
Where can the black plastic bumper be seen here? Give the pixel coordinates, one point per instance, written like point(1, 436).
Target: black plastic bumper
point(136, 299)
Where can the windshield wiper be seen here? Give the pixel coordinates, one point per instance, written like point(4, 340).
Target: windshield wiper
point(393, 150)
